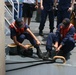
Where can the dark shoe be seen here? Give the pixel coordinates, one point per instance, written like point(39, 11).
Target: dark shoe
point(60, 53)
point(39, 53)
point(51, 31)
point(47, 55)
point(41, 33)
point(66, 56)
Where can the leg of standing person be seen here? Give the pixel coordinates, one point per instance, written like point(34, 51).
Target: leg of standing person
point(25, 19)
point(51, 20)
point(29, 20)
point(30, 14)
point(27, 13)
point(24, 13)
point(66, 14)
point(38, 14)
point(59, 17)
point(42, 22)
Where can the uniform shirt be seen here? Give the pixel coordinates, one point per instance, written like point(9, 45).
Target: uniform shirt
point(14, 32)
point(64, 4)
point(29, 1)
point(68, 35)
point(48, 4)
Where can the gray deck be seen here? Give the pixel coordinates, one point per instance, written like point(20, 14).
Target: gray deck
point(47, 69)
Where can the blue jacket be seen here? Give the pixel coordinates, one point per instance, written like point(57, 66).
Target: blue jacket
point(16, 32)
point(69, 34)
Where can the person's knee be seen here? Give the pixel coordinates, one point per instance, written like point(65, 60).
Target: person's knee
point(50, 34)
point(48, 48)
point(22, 36)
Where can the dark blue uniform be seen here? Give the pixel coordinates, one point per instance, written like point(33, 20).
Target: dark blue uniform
point(21, 37)
point(48, 10)
point(68, 42)
point(63, 10)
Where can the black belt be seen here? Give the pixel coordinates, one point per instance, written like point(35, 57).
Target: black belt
point(29, 4)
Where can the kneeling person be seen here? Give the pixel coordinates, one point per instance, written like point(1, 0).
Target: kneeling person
point(20, 32)
point(63, 39)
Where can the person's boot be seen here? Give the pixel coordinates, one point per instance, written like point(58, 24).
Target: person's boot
point(51, 31)
point(39, 53)
point(41, 33)
point(18, 50)
point(47, 55)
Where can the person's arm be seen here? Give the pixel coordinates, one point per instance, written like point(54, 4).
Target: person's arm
point(56, 45)
point(36, 4)
point(69, 34)
point(18, 43)
point(58, 35)
point(30, 32)
point(71, 7)
point(13, 37)
point(41, 4)
point(55, 1)
point(72, 3)
point(57, 49)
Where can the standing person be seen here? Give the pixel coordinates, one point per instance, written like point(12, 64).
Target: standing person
point(64, 9)
point(46, 9)
point(73, 15)
point(38, 13)
point(20, 32)
point(28, 7)
point(63, 39)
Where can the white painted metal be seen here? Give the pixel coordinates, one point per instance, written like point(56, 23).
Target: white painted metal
point(10, 14)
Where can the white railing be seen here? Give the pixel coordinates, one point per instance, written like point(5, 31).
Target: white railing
point(8, 14)
point(11, 15)
point(15, 7)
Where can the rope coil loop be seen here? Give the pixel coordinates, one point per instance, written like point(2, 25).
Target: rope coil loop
point(60, 57)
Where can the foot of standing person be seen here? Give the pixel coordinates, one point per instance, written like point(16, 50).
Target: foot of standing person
point(41, 33)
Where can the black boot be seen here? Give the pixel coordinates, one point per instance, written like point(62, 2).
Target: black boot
point(51, 31)
point(41, 33)
point(47, 55)
point(39, 53)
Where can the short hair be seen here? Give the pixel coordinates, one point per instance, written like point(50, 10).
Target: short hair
point(66, 22)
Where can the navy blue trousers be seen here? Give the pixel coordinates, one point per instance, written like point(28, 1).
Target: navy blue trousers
point(61, 15)
point(27, 36)
point(44, 14)
point(69, 44)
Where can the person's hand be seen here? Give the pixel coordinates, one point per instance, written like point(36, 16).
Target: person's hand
point(36, 6)
point(38, 42)
point(42, 7)
point(55, 46)
point(70, 9)
point(26, 47)
point(57, 49)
